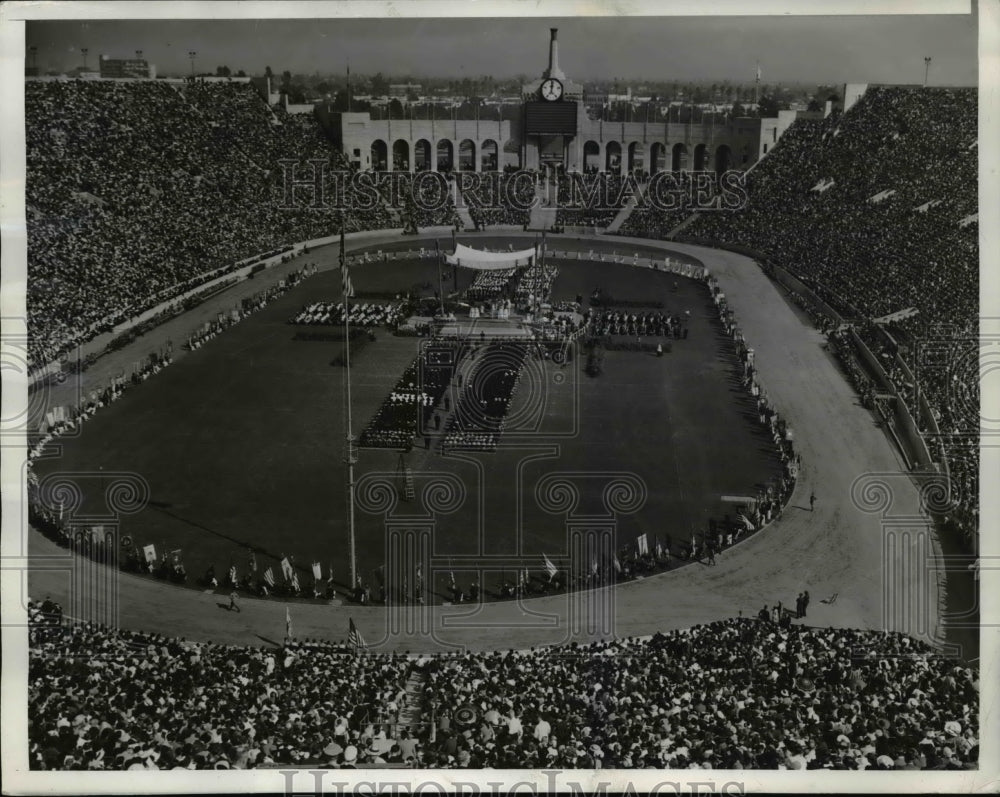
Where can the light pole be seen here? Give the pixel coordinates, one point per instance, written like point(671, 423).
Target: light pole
point(34, 56)
point(84, 50)
point(191, 55)
point(927, 69)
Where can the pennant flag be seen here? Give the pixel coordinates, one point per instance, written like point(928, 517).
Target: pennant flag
point(746, 521)
point(317, 571)
point(550, 568)
point(149, 552)
point(269, 577)
point(286, 568)
point(295, 581)
point(354, 637)
point(288, 622)
point(348, 286)
point(618, 565)
point(642, 543)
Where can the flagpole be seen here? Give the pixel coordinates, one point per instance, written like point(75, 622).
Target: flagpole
point(351, 455)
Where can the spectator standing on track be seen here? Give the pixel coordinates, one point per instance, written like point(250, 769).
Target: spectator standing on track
point(232, 601)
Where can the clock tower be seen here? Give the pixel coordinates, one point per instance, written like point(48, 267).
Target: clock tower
point(551, 116)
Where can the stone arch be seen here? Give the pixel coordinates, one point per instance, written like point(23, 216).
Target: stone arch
point(613, 157)
point(489, 154)
point(700, 157)
point(467, 155)
point(723, 158)
point(445, 155)
point(680, 158)
point(401, 155)
point(422, 160)
point(657, 157)
point(591, 156)
point(636, 157)
point(379, 155)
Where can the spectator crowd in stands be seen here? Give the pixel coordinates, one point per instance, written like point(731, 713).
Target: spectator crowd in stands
point(736, 694)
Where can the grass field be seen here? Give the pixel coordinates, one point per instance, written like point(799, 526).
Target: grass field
point(242, 442)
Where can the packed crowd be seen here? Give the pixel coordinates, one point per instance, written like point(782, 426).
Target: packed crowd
point(364, 314)
point(409, 409)
point(506, 206)
point(484, 401)
point(138, 189)
point(490, 283)
point(741, 693)
point(876, 210)
point(617, 322)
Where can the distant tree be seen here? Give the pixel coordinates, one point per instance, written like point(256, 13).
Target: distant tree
point(241, 73)
point(380, 85)
point(396, 109)
point(738, 109)
point(814, 105)
point(323, 87)
point(223, 71)
point(268, 72)
point(286, 79)
point(768, 106)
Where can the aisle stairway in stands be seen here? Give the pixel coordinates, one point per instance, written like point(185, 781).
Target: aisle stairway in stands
point(411, 714)
point(463, 208)
point(543, 217)
point(626, 211)
point(687, 220)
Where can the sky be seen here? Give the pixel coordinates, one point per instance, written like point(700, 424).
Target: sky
point(830, 50)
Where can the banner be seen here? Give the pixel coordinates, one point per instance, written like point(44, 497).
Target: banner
point(149, 553)
point(642, 543)
point(317, 571)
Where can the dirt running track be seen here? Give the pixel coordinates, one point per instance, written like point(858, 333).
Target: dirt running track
point(882, 578)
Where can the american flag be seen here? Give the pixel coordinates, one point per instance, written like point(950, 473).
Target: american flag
point(354, 637)
point(550, 568)
point(269, 577)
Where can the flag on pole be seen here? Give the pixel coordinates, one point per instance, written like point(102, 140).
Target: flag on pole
point(269, 577)
point(286, 568)
point(746, 521)
point(317, 571)
point(758, 70)
point(550, 568)
point(232, 575)
point(348, 286)
point(642, 543)
point(288, 622)
point(354, 637)
point(149, 552)
point(295, 581)
point(618, 565)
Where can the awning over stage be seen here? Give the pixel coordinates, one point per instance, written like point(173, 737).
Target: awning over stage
point(467, 257)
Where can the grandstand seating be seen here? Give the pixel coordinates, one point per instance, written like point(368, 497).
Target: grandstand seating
point(876, 208)
point(742, 693)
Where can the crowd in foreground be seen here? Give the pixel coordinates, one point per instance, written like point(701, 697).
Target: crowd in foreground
point(741, 693)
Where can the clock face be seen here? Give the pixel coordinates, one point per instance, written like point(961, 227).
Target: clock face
point(552, 89)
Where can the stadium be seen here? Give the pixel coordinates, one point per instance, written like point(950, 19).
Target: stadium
point(630, 445)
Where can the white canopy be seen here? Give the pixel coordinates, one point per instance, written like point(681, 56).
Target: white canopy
point(467, 257)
